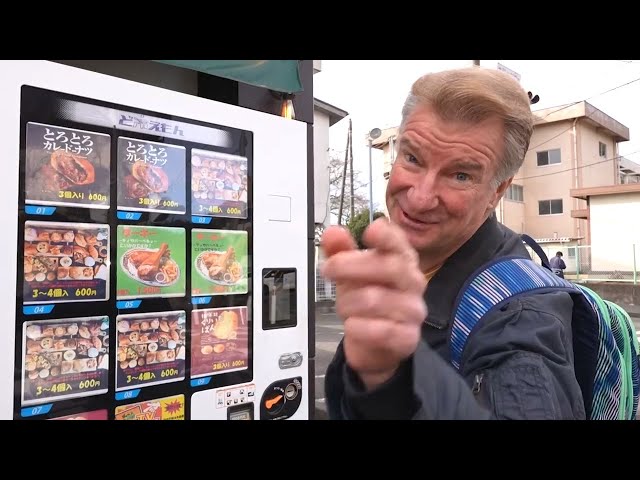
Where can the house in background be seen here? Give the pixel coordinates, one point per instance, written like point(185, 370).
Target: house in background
point(324, 117)
point(387, 143)
point(573, 147)
point(629, 171)
point(614, 232)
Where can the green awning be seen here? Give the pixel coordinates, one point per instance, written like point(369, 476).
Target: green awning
point(278, 75)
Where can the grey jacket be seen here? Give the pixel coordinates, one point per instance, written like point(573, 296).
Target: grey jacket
point(517, 364)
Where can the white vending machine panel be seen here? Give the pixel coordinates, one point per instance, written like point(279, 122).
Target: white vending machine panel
point(162, 252)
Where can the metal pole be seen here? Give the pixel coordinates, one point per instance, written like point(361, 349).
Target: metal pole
point(370, 186)
point(353, 213)
point(344, 174)
point(635, 270)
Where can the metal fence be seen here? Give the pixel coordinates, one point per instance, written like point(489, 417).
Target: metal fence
point(617, 263)
point(325, 290)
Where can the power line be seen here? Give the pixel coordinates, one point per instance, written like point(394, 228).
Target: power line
point(591, 97)
point(575, 103)
point(578, 168)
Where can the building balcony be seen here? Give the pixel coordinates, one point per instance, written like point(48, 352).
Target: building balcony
point(580, 213)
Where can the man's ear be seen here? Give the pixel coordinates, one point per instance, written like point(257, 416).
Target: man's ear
point(502, 188)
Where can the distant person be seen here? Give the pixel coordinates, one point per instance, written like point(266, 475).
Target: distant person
point(558, 265)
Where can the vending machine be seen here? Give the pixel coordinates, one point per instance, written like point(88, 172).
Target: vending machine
point(162, 263)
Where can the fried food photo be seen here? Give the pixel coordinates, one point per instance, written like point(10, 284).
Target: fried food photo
point(76, 169)
point(152, 177)
point(220, 266)
point(226, 325)
point(154, 267)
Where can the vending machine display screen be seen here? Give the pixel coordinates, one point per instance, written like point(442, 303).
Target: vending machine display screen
point(134, 273)
point(279, 306)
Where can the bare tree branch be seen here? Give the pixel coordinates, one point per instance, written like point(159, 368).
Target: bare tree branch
point(361, 199)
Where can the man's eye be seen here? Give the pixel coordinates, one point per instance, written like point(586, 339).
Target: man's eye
point(411, 158)
point(462, 177)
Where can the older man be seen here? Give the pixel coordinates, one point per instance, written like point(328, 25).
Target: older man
point(463, 136)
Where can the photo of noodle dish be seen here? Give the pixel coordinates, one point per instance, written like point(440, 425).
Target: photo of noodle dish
point(218, 267)
point(153, 267)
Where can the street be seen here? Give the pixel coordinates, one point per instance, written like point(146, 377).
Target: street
point(329, 331)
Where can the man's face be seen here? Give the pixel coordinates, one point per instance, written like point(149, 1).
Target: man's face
point(440, 190)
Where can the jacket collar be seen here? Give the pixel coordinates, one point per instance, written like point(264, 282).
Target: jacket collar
point(490, 240)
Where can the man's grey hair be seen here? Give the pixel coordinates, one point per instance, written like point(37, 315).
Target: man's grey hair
point(471, 95)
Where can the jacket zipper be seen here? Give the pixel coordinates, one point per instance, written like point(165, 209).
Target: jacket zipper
point(477, 383)
point(439, 327)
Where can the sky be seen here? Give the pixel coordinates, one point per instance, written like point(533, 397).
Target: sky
point(373, 91)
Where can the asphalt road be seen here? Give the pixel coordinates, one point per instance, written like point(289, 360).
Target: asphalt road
point(329, 332)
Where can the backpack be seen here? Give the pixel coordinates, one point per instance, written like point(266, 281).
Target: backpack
point(605, 344)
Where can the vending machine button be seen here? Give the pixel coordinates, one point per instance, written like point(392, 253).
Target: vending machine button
point(290, 360)
point(285, 361)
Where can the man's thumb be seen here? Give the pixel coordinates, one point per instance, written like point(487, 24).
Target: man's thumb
point(337, 239)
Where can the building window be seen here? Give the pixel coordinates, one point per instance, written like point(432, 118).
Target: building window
point(550, 207)
point(602, 149)
point(571, 252)
point(549, 157)
point(515, 193)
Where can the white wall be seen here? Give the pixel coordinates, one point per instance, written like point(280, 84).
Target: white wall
point(614, 229)
point(321, 167)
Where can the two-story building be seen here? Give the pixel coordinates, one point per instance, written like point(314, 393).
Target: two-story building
point(325, 116)
point(573, 146)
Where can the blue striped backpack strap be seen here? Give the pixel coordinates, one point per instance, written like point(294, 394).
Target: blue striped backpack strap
point(605, 354)
point(633, 360)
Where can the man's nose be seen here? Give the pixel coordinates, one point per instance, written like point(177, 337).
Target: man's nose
point(424, 194)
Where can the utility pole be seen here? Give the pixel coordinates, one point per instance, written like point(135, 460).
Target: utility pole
point(351, 173)
point(344, 174)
